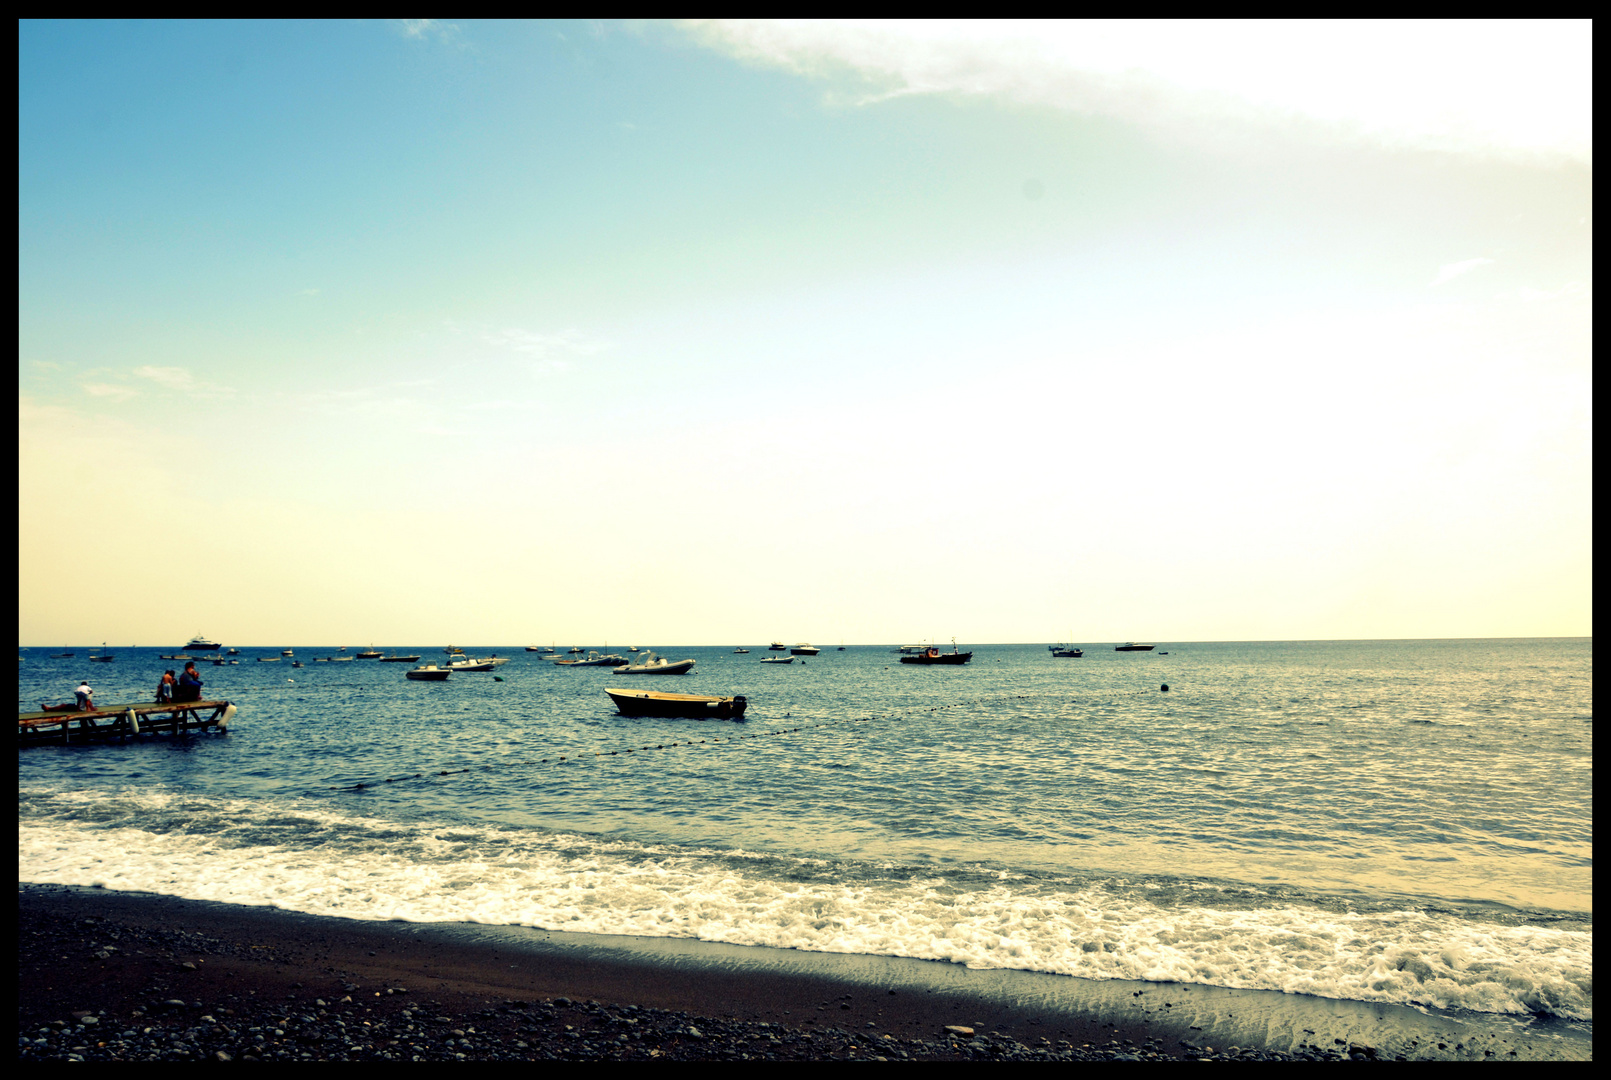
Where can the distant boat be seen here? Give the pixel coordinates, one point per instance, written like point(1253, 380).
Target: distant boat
point(1130, 646)
point(104, 657)
point(296, 663)
point(655, 665)
point(203, 644)
point(395, 659)
point(428, 673)
point(370, 653)
point(232, 652)
point(1063, 650)
point(470, 663)
point(735, 651)
point(594, 660)
point(803, 649)
point(285, 652)
point(777, 646)
point(777, 659)
point(932, 655)
point(61, 656)
point(268, 659)
point(695, 706)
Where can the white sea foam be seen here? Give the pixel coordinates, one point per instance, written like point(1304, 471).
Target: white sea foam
point(308, 858)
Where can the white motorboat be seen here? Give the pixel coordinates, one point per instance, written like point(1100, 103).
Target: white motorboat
point(803, 649)
point(656, 665)
point(428, 673)
point(777, 659)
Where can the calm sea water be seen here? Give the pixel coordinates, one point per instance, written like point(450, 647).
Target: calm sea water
point(1394, 821)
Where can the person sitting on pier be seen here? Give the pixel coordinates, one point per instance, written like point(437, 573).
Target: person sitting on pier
point(165, 687)
point(84, 696)
point(189, 684)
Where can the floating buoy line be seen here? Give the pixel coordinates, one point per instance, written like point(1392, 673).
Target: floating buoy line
point(589, 755)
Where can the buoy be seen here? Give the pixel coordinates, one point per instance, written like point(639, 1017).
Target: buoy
point(1164, 687)
point(229, 714)
point(134, 722)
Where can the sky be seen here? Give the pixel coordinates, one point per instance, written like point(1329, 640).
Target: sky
point(417, 331)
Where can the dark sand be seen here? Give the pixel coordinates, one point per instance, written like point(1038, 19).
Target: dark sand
point(169, 979)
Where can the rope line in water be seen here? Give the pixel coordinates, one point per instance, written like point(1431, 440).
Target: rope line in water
point(574, 758)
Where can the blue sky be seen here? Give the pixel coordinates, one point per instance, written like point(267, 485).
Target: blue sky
point(678, 333)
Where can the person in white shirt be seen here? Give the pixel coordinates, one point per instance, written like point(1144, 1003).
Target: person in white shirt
point(85, 696)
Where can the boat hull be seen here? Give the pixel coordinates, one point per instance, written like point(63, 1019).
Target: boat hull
point(429, 674)
point(943, 658)
point(1133, 647)
point(687, 706)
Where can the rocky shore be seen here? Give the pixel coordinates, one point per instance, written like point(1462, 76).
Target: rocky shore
point(117, 978)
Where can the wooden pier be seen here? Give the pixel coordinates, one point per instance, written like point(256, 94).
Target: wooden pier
point(109, 723)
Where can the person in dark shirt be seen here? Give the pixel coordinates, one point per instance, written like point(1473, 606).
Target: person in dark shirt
point(189, 684)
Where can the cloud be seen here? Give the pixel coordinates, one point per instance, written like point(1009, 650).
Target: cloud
point(1455, 269)
point(427, 29)
point(1486, 87)
point(110, 390)
point(551, 351)
point(181, 381)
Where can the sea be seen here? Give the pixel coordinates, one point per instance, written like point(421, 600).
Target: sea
point(1400, 823)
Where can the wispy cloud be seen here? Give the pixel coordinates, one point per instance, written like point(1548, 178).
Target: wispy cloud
point(428, 30)
point(1452, 270)
point(1478, 86)
point(551, 351)
point(112, 391)
point(180, 380)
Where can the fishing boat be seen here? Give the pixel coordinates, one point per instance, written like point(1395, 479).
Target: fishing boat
point(803, 649)
point(932, 655)
point(370, 653)
point(656, 665)
point(736, 652)
point(777, 659)
point(695, 706)
point(395, 659)
point(1066, 650)
point(1130, 646)
point(104, 657)
point(428, 673)
point(202, 644)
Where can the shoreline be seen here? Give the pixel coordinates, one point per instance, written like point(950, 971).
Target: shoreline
point(157, 965)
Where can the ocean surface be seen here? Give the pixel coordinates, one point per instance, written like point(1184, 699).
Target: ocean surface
point(1405, 822)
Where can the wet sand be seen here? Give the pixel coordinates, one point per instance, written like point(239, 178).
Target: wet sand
point(171, 979)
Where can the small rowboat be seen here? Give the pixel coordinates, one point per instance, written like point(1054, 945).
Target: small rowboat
point(777, 659)
point(694, 706)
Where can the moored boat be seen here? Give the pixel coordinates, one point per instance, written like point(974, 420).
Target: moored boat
point(1064, 650)
point(594, 660)
point(428, 673)
point(932, 655)
point(803, 649)
point(1130, 646)
point(695, 706)
point(656, 665)
point(370, 653)
point(777, 659)
point(777, 646)
point(395, 659)
point(202, 644)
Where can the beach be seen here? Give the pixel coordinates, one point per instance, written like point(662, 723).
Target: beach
point(105, 975)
